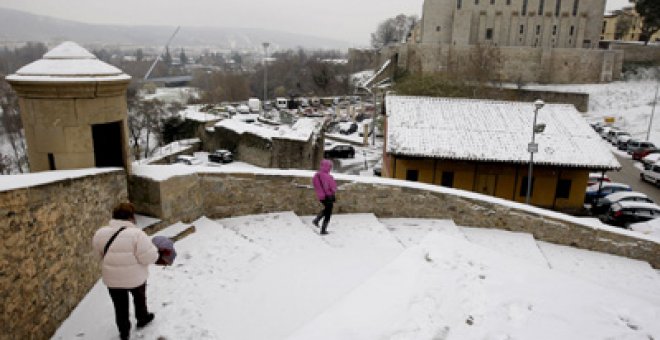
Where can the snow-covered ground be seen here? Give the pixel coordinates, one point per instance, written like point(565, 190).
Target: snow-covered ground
point(273, 277)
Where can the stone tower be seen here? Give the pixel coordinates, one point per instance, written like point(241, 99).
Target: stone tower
point(74, 110)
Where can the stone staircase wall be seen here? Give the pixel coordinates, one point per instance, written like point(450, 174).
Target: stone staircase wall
point(236, 194)
point(46, 260)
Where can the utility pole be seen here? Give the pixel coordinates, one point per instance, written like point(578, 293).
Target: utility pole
point(164, 49)
point(265, 45)
point(655, 100)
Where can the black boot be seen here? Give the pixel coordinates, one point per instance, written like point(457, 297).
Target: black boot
point(315, 222)
point(324, 227)
point(146, 321)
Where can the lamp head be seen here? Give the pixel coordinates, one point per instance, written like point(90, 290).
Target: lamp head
point(539, 104)
point(539, 128)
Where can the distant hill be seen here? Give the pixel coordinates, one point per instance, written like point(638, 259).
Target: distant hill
point(19, 26)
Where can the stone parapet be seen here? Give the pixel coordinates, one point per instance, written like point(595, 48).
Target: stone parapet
point(235, 194)
point(46, 260)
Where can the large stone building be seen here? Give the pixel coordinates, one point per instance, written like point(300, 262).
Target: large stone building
point(547, 41)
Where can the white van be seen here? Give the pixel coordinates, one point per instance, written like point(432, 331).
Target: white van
point(281, 103)
point(651, 174)
point(254, 104)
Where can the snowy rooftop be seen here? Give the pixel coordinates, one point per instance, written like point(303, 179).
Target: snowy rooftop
point(482, 130)
point(68, 62)
point(616, 5)
point(13, 182)
point(302, 130)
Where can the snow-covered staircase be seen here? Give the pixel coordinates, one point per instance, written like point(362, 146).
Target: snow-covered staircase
point(272, 276)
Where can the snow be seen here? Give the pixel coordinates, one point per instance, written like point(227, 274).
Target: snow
point(13, 182)
point(650, 228)
point(193, 113)
point(302, 130)
point(68, 62)
point(614, 5)
point(484, 130)
point(272, 276)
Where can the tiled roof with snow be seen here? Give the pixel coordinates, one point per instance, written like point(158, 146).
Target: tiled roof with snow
point(68, 62)
point(494, 131)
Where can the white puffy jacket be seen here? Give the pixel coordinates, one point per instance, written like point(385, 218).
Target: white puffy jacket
point(126, 264)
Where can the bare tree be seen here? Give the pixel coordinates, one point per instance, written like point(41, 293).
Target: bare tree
point(624, 23)
point(10, 119)
point(485, 64)
point(393, 30)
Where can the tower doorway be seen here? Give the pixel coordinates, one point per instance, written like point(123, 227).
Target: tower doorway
point(108, 148)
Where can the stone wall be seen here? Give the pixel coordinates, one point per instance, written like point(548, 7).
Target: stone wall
point(225, 195)
point(46, 260)
point(579, 100)
point(637, 53)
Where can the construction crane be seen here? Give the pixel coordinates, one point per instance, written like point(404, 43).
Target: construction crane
point(164, 49)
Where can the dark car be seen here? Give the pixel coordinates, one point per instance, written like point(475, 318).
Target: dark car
point(598, 191)
point(640, 153)
point(603, 205)
point(624, 213)
point(340, 151)
point(221, 156)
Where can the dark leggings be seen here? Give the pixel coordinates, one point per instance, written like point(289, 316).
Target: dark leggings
point(325, 213)
point(120, 300)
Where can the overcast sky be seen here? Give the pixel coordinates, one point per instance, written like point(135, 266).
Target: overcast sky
point(348, 20)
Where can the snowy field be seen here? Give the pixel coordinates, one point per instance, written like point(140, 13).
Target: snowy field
point(273, 277)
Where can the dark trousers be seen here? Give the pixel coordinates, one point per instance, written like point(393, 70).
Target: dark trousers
point(325, 213)
point(120, 300)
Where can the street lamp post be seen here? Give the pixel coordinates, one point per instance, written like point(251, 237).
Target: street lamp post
point(655, 100)
point(265, 45)
point(533, 147)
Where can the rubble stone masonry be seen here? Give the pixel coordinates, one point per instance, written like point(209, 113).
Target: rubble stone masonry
point(236, 194)
point(46, 260)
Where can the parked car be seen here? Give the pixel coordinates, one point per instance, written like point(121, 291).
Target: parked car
point(348, 128)
point(638, 155)
point(649, 160)
point(602, 205)
point(637, 145)
point(595, 177)
point(622, 142)
point(612, 135)
point(624, 213)
point(221, 156)
point(598, 191)
point(187, 160)
point(651, 174)
point(605, 130)
point(340, 151)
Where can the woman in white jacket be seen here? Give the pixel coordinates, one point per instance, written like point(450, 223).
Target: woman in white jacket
point(126, 253)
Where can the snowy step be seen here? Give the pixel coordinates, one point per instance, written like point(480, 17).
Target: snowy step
point(411, 231)
point(302, 284)
point(450, 288)
point(519, 245)
point(636, 277)
point(281, 232)
point(352, 230)
point(173, 293)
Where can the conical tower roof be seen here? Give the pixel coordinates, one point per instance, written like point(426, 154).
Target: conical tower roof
point(68, 62)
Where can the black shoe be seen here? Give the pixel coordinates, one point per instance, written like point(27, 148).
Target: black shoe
point(324, 232)
point(315, 223)
point(146, 321)
point(123, 337)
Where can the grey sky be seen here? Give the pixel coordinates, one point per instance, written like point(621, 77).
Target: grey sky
point(348, 20)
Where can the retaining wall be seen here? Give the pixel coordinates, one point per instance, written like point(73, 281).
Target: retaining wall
point(222, 195)
point(46, 260)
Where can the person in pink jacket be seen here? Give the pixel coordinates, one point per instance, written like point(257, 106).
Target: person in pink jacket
point(126, 253)
point(325, 188)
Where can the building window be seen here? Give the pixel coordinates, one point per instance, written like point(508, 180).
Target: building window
point(508, 2)
point(489, 34)
point(557, 7)
point(576, 4)
point(563, 189)
point(572, 30)
point(412, 175)
point(522, 29)
point(524, 7)
point(541, 5)
point(459, 3)
point(554, 30)
point(437, 28)
point(492, 2)
point(604, 27)
point(523, 187)
point(447, 179)
point(538, 29)
point(476, 2)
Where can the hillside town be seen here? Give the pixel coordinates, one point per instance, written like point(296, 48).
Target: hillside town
point(484, 169)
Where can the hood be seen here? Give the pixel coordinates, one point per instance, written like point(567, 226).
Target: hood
point(326, 166)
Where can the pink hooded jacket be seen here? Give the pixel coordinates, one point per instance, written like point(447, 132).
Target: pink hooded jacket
point(324, 183)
